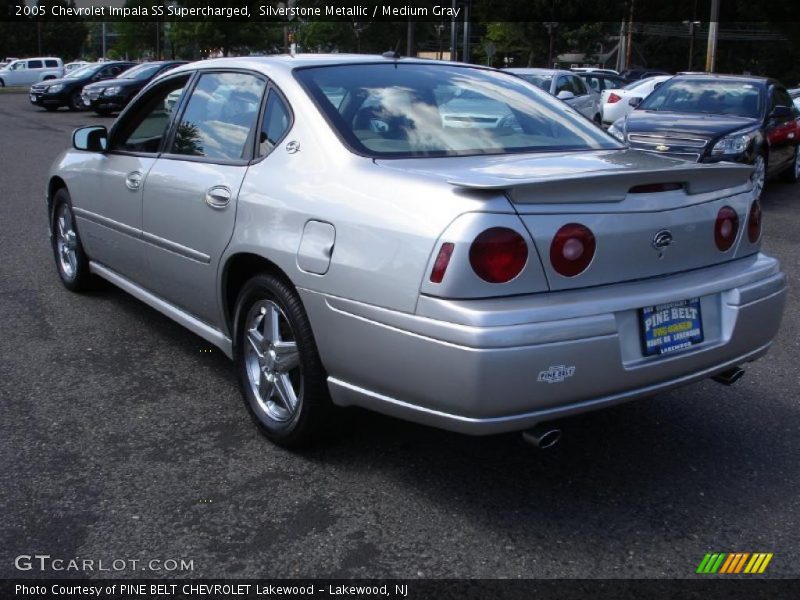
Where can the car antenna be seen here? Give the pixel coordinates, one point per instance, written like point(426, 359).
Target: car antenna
point(393, 54)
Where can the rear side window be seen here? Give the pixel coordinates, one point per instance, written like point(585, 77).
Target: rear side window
point(51, 63)
point(276, 122)
point(35, 64)
point(220, 117)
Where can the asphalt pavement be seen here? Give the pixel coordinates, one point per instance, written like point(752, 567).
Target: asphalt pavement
point(123, 437)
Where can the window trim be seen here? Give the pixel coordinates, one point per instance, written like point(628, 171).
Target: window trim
point(170, 137)
point(270, 89)
point(132, 105)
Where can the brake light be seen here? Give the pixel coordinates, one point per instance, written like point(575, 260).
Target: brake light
point(726, 228)
point(442, 260)
point(613, 98)
point(754, 222)
point(498, 254)
point(572, 249)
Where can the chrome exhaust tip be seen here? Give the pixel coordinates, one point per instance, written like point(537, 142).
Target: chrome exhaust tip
point(730, 376)
point(542, 436)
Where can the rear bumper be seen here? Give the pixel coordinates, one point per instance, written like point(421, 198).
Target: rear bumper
point(476, 366)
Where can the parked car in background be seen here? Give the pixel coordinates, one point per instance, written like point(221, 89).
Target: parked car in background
point(795, 95)
point(631, 75)
point(111, 95)
point(615, 103)
point(67, 91)
point(317, 219)
point(601, 81)
point(27, 71)
point(714, 118)
point(71, 66)
point(594, 70)
point(566, 86)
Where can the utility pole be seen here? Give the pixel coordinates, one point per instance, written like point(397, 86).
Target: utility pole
point(104, 40)
point(453, 35)
point(621, 48)
point(692, 26)
point(410, 38)
point(713, 28)
point(466, 31)
point(629, 40)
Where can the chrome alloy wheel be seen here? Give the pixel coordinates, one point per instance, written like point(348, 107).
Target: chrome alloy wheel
point(272, 361)
point(66, 242)
point(759, 175)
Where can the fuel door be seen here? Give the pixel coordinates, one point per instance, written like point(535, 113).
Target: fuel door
point(316, 247)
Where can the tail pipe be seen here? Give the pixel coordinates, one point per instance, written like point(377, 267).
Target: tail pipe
point(542, 436)
point(730, 376)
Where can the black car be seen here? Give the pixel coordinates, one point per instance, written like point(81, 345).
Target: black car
point(712, 118)
point(67, 91)
point(105, 97)
point(599, 81)
point(632, 75)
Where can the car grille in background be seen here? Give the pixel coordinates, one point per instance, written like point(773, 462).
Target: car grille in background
point(91, 94)
point(38, 89)
point(659, 140)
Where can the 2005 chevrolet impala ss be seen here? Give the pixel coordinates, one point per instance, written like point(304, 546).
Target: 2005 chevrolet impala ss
point(439, 242)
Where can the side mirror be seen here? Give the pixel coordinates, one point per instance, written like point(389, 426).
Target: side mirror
point(780, 112)
point(91, 139)
point(565, 95)
point(635, 101)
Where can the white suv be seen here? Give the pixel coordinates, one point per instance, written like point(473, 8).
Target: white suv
point(28, 71)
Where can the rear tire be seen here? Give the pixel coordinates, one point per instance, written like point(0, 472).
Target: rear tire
point(792, 174)
point(71, 261)
point(282, 379)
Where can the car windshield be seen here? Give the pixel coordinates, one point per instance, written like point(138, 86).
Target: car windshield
point(706, 96)
point(541, 81)
point(141, 71)
point(83, 71)
point(407, 110)
point(636, 84)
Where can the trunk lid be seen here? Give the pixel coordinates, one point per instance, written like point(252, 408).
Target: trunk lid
point(595, 190)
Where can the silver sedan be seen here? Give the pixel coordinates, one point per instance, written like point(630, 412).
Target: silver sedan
point(350, 234)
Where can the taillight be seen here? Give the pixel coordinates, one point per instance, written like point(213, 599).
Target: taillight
point(498, 254)
point(726, 228)
point(754, 222)
point(442, 260)
point(572, 249)
point(613, 98)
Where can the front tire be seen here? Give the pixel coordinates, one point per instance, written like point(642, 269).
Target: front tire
point(759, 176)
point(283, 382)
point(792, 174)
point(71, 261)
point(75, 101)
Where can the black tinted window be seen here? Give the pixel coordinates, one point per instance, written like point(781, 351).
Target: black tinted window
point(276, 122)
point(34, 64)
point(143, 128)
point(51, 63)
point(220, 116)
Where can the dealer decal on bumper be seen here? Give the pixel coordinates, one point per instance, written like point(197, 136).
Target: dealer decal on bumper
point(556, 374)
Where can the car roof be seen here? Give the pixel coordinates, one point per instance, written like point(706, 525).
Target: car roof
point(754, 79)
point(538, 71)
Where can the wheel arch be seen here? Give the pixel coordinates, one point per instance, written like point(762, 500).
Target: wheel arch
point(238, 269)
point(55, 184)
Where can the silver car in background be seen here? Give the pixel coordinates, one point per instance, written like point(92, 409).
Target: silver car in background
point(566, 86)
point(320, 221)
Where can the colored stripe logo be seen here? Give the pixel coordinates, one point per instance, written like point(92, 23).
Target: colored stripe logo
point(734, 562)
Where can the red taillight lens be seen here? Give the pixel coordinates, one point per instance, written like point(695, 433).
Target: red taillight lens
point(726, 228)
point(498, 254)
point(572, 249)
point(754, 222)
point(613, 98)
point(442, 260)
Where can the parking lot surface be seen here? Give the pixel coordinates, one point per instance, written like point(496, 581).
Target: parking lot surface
point(123, 437)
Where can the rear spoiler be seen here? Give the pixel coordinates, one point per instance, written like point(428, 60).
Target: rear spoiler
point(609, 186)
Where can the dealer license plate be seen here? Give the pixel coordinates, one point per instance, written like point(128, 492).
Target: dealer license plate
point(671, 327)
point(33, 98)
point(87, 102)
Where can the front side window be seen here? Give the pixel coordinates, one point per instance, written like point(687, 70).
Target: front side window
point(276, 122)
point(220, 117)
point(578, 86)
point(18, 66)
point(408, 110)
point(706, 96)
point(780, 97)
point(143, 128)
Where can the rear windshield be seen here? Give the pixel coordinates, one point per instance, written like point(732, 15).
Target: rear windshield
point(541, 81)
point(706, 96)
point(411, 110)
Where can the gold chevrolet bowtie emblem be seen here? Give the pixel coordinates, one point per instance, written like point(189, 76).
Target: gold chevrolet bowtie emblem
point(662, 148)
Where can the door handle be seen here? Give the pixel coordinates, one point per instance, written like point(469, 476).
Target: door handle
point(133, 180)
point(218, 196)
